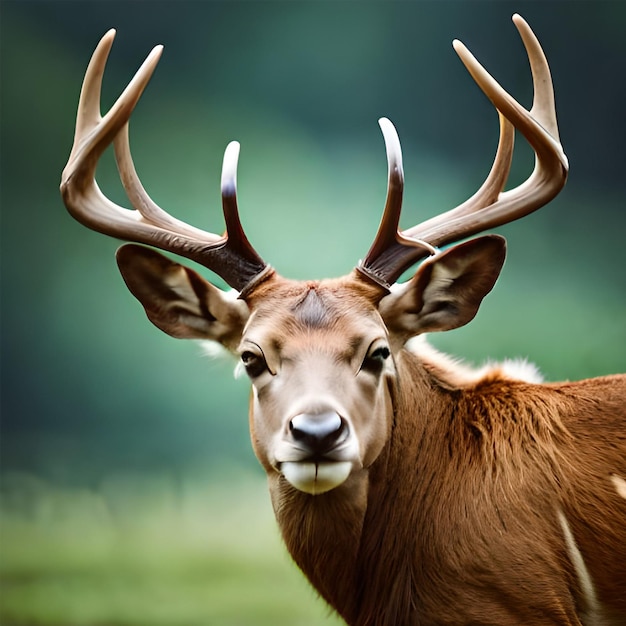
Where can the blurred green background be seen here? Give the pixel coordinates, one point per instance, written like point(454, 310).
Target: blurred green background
point(130, 491)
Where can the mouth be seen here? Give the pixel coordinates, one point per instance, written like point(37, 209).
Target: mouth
point(315, 477)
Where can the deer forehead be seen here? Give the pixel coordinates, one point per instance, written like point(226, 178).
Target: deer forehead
point(333, 317)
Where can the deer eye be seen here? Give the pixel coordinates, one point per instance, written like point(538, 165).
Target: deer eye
point(382, 353)
point(254, 363)
point(375, 358)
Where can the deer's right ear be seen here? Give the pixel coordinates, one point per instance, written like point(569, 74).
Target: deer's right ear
point(178, 300)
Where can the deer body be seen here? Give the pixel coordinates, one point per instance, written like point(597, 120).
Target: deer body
point(408, 489)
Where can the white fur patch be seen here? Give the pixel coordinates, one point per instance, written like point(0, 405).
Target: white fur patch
point(520, 369)
point(592, 613)
point(215, 350)
point(619, 484)
point(462, 375)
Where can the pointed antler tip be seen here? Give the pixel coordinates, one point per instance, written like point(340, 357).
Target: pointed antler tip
point(392, 144)
point(106, 42)
point(522, 25)
point(229, 170)
point(231, 157)
point(387, 128)
point(153, 58)
point(108, 37)
point(463, 52)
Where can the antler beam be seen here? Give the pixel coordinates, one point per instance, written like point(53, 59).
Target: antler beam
point(231, 255)
point(394, 251)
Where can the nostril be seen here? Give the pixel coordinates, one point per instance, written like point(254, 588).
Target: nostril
point(320, 431)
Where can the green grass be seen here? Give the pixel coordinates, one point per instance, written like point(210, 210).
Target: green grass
point(147, 551)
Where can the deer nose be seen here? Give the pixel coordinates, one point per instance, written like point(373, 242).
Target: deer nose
point(319, 432)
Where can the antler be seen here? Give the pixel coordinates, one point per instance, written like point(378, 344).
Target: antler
point(231, 255)
point(393, 252)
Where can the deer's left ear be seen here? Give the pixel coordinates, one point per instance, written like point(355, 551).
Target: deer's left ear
point(178, 300)
point(446, 290)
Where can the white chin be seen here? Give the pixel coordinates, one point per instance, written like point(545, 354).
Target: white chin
point(316, 478)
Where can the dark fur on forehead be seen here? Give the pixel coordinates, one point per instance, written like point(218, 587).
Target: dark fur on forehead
point(312, 311)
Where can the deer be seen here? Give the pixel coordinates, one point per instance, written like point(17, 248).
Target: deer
point(408, 487)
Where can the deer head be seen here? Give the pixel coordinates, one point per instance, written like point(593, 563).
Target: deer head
point(321, 355)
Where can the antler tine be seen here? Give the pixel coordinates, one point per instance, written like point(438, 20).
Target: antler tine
point(387, 257)
point(538, 125)
point(543, 108)
point(229, 198)
point(388, 228)
point(139, 197)
point(389, 240)
point(486, 196)
point(93, 132)
point(231, 256)
point(490, 206)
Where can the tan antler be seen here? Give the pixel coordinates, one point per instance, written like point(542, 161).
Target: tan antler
point(393, 251)
point(231, 255)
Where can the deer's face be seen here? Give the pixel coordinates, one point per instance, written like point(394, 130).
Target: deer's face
point(319, 358)
point(319, 355)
